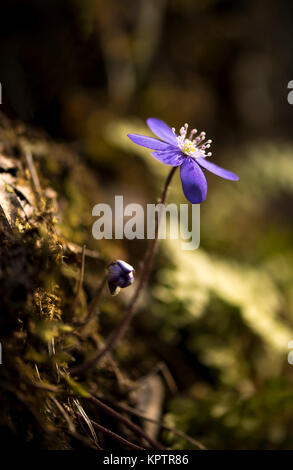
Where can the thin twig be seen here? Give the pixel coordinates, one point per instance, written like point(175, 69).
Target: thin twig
point(65, 415)
point(44, 386)
point(162, 425)
point(121, 329)
point(108, 410)
point(73, 247)
point(94, 304)
point(71, 427)
point(33, 173)
point(111, 412)
point(169, 379)
point(167, 376)
point(114, 436)
point(81, 278)
point(87, 420)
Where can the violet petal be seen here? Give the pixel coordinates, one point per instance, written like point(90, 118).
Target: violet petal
point(217, 170)
point(193, 180)
point(148, 142)
point(162, 130)
point(173, 158)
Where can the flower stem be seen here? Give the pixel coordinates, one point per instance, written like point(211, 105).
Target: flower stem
point(121, 329)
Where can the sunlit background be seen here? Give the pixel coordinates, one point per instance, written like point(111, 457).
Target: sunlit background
point(219, 318)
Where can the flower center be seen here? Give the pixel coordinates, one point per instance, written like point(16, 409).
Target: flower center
point(193, 146)
point(188, 147)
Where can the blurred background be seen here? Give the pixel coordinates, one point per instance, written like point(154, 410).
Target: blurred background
point(219, 318)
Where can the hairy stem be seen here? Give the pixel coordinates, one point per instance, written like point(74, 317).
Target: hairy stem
point(121, 329)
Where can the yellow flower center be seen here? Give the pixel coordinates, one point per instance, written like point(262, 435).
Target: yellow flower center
point(188, 147)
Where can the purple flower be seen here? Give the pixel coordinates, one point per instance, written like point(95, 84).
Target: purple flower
point(120, 274)
point(187, 152)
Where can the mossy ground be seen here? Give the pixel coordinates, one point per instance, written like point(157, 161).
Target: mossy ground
point(41, 309)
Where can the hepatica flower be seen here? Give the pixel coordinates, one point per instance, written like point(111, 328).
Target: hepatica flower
point(120, 274)
point(186, 151)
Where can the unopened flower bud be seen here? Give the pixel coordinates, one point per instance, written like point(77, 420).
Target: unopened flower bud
point(120, 275)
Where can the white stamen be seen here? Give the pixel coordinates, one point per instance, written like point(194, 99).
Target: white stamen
point(194, 147)
point(192, 133)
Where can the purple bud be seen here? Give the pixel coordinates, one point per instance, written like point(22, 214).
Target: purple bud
point(120, 274)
